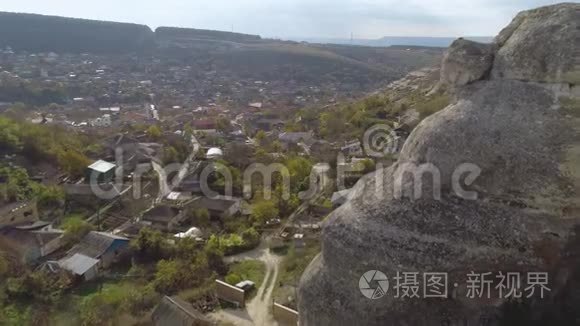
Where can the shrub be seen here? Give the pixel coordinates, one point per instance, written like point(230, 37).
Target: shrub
point(75, 228)
point(233, 279)
point(432, 105)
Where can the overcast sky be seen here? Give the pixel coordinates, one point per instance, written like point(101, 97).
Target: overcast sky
point(299, 18)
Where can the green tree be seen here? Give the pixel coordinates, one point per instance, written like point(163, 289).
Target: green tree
point(150, 244)
point(201, 217)
point(11, 315)
point(331, 124)
point(187, 248)
point(75, 228)
point(251, 237)
point(170, 155)
point(215, 257)
point(9, 134)
point(223, 124)
point(260, 137)
point(154, 132)
point(73, 162)
point(171, 276)
point(300, 169)
point(49, 196)
point(4, 266)
point(263, 211)
point(103, 307)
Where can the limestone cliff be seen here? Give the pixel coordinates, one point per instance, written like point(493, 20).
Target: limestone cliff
point(501, 192)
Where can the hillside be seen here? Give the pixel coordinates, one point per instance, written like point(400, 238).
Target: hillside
point(245, 56)
point(175, 33)
point(38, 33)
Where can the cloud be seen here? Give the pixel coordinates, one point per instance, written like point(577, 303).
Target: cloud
point(307, 18)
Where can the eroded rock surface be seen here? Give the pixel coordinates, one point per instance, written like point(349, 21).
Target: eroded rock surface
point(520, 126)
point(465, 62)
point(541, 45)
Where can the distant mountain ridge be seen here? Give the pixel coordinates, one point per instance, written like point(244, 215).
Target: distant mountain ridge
point(31, 32)
point(442, 42)
point(39, 33)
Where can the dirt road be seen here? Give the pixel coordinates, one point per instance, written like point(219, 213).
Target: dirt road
point(258, 310)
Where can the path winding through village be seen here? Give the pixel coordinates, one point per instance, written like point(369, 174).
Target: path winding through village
point(258, 310)
point(187, 166)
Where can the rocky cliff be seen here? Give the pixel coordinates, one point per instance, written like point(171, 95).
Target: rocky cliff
point(489, 184)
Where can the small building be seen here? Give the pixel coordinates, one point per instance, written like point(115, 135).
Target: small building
point(268, 124)
point(81, 266)
point(214, 153)
point(29, 246)
point(288, 138)
point(219, 207)
point(352, 148)
point(85, 193)
point(107, 248)
point(256, 105)
point(104, 121)
point(204, 124)
point(101, 171)
point(163, 218)
point(190, 184)
point(173, 311)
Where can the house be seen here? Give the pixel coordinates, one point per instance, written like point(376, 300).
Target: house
point(290, 138)
point(190, 184)
point(268, 124)
point(256, 105)
point(219, 207)
point(204, 124)
point(18, 213)
point(352, 148)
point(81, 266)
point(173, 311)
point(322, 151)
point(29, 246)
point(101, 171)
point(164, 218)
point(107, 248)
point(85, 193)
point(104, 121)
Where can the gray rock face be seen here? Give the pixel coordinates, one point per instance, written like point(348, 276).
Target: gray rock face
point(465, 62)
point(541, 45)
point(522, 141)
